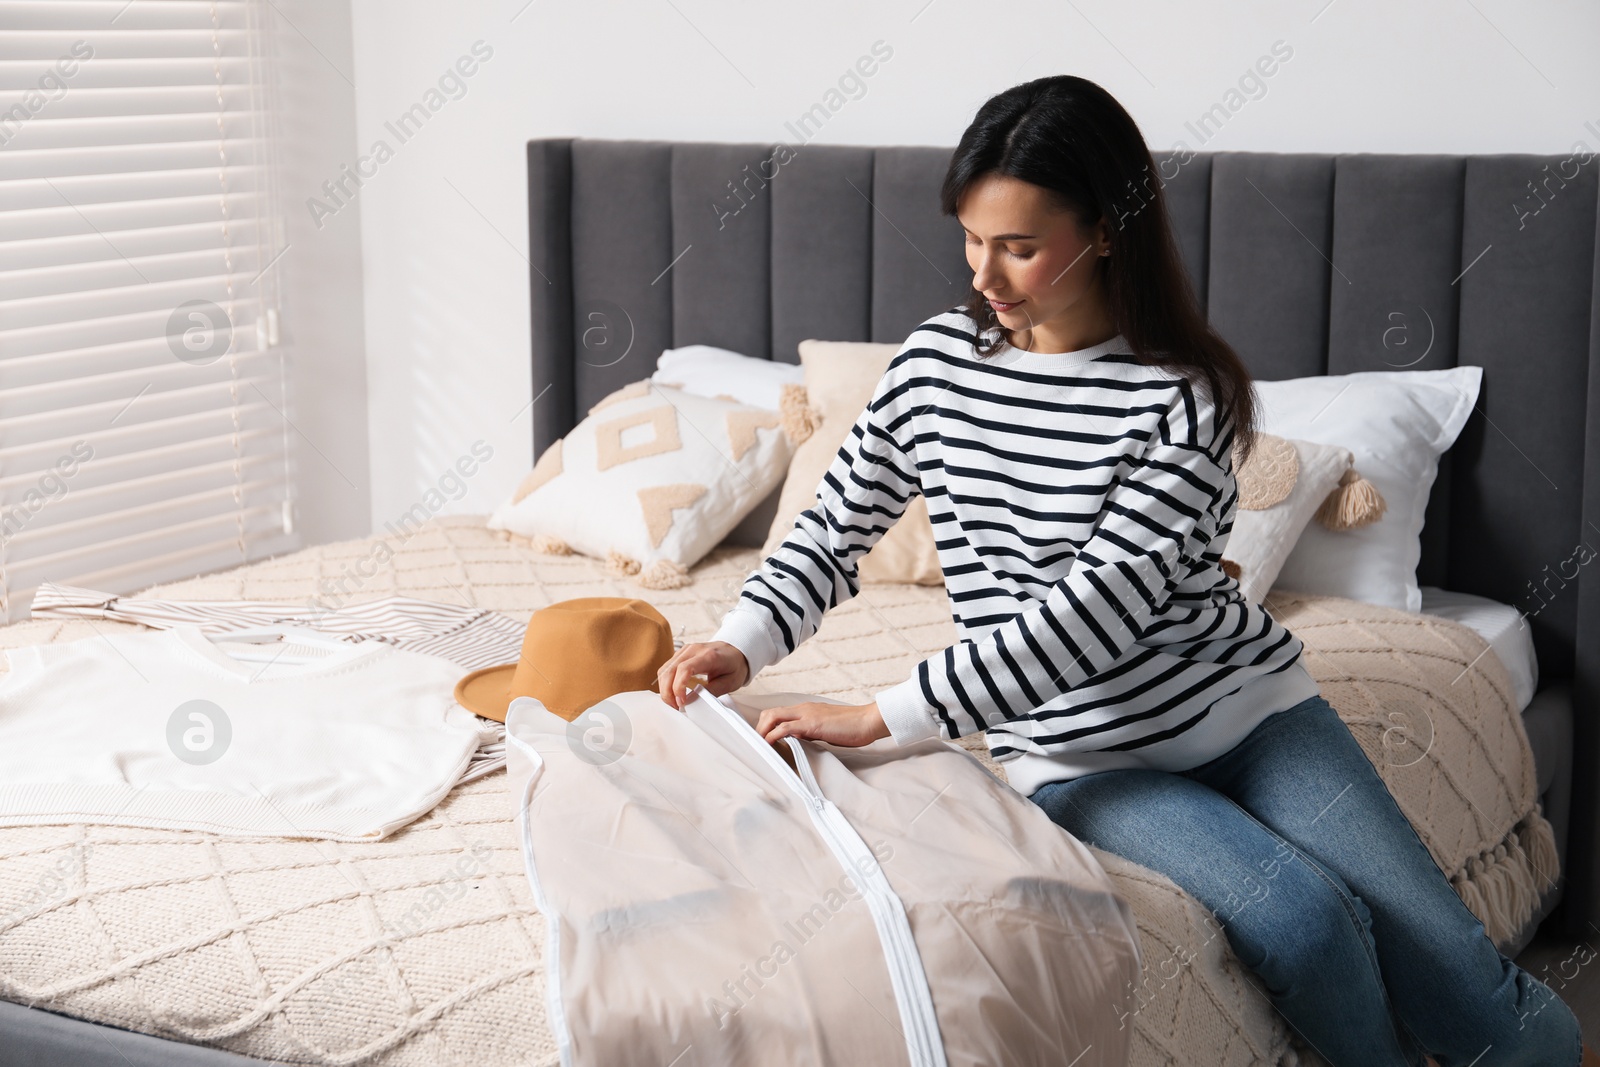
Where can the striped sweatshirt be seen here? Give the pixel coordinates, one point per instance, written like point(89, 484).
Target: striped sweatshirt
point(1081, 502)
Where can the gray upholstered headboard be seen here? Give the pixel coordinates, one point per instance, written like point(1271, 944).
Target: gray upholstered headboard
point(1307, 263)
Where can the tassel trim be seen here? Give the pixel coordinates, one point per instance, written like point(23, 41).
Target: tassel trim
point(619, 564)
point(1354, 503)
point(662, 574)
point(550, 546)
point(797, 417)
point(1503, 885)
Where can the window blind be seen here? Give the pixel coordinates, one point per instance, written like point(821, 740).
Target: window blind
point(145, 428)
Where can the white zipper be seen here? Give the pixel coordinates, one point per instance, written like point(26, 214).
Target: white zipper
point(918, 1021)
point(555, 1007)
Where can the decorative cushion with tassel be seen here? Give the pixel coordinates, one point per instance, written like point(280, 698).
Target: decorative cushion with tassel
point(1282, 486)
point(652, 480)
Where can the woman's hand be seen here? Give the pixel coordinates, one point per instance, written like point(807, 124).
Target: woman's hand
point(847, 725)
point(721, 665)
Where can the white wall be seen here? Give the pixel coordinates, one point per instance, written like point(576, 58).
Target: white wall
point(444, 221)
point(320, 272)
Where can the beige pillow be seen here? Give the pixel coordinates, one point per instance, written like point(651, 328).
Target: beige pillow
point(840, 377)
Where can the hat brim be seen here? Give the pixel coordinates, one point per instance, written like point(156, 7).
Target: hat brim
point(487, 691)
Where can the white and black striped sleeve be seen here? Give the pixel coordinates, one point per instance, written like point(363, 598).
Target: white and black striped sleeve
point(1151, 530)
point(866, 488)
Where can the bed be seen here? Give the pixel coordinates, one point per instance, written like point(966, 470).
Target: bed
point(1306, 262)
point(426, 947)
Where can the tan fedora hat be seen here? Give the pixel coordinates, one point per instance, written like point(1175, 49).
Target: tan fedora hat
point(575, 654)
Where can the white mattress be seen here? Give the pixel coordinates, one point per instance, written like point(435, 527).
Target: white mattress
point(1499, 624)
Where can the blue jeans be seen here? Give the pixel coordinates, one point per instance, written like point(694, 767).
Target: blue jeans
point(1324, 890)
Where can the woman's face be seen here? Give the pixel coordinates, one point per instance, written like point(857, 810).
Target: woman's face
point(1038, 269)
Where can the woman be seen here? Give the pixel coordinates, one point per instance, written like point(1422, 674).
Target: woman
point(1072, 429)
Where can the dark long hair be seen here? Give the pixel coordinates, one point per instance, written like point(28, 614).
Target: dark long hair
point(1071, 137)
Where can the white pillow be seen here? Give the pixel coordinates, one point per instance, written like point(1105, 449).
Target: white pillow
point(650, 481)
point(1280, 488)
point(708, 371)
point(1398, 424)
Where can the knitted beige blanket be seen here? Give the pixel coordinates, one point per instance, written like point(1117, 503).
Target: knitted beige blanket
point(425, 948)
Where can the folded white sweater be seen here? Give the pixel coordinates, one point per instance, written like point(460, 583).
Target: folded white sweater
point(165, 729)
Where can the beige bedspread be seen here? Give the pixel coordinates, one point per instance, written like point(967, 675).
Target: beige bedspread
point(426, 949)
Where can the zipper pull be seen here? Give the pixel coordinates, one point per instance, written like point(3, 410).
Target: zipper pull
point(807, 784)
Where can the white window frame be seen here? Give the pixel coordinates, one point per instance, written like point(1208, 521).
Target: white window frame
point(145, 415)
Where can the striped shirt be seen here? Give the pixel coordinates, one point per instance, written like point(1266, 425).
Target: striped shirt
point(1080, 503)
